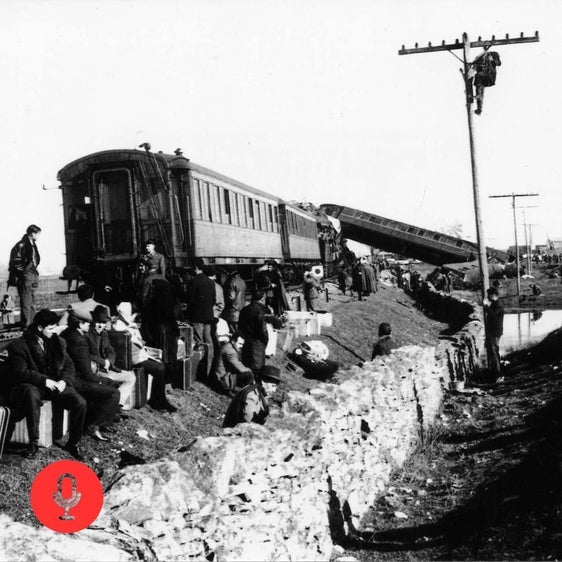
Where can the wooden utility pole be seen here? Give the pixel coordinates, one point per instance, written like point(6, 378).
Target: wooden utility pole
point(513, 196)
point(466, 45)
point(529, 250)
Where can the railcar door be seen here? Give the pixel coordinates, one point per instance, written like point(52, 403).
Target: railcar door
point(115, 211)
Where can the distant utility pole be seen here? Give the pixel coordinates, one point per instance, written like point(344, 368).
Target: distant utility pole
point(468, 74)
point(528, 239)
point(513, 196)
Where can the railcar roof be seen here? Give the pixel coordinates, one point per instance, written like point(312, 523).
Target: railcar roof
point(171, 161)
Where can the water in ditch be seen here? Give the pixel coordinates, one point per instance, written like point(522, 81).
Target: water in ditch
point(521, 329)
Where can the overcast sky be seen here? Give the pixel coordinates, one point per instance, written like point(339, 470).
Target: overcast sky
point(306, 100)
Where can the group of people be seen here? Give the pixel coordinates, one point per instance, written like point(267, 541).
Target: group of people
point(70, 361)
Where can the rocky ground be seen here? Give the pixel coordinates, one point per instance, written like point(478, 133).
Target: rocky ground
point(483, 485)
point(149, 435)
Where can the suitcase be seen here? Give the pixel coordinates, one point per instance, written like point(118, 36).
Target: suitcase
point(53, 424)
point(4, 419)
point(186, 334)
point(190, 369)
point(121, 343)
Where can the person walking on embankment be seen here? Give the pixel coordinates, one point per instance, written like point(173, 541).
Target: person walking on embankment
point(494, 314)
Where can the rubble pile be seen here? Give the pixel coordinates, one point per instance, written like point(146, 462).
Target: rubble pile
point(285, 490)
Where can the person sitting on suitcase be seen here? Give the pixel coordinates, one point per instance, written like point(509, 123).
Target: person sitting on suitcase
point(126, 323)
point(103, 356)
point(40, 369)
point(99, 391)
point(230, 373)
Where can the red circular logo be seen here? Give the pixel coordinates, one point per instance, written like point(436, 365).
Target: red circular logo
point(66, 496)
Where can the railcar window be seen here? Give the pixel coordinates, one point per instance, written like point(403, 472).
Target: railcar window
point(219, 203)
point(459, 243)
point(275, 219)
point(208, 215)
point(421, 233)
point(269, 218)
point(241, 210)
point(263, 216)
point(227, 206)
point(411, 230)
point(213, 204)
point(257, 217)
point(436, 237)
point(234, 207)
point(196, 200)
point(250, 208)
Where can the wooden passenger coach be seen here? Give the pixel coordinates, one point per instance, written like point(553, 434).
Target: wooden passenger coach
point(117, 199)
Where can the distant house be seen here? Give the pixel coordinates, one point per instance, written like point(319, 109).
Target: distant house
point(523, 250)
point(541, 248)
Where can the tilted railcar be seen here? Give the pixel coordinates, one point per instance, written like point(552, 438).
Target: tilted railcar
point(406, 239)
point(117, 199)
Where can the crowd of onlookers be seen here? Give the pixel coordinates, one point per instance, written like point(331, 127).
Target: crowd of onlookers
point(70, 359)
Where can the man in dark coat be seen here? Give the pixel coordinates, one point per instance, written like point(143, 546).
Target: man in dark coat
point(40, 369)
point(494, 331)
point(385, 344)
point(254, 331)
point(154, 265)
point(234, 300)
point(23, 274)
point(103, 356)
point(100, 393)
point(201, 298)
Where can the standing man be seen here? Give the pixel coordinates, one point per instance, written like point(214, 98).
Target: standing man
point(23, 274)
point(201, 297)
point(494, 331)
point(254, 331)
point(235, 300)
point(154, 268)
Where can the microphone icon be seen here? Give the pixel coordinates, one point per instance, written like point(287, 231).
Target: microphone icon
point(66, 503)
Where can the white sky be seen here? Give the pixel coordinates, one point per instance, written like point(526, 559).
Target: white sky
point(306, 100)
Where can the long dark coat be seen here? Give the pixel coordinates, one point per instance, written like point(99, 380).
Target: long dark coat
point(29, 365)
point(201, 299)
point(253, 328)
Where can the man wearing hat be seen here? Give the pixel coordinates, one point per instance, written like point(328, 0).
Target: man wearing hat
point(201, 297)
point(102, 396)
point(230, 373)
point(154, 268)
point(494, 313)
point(40, 369)
point(103, 355)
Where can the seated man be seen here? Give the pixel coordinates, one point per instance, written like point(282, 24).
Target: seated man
point(101, 395)
point(126, 323)
point(102, 356)
point(385, 343)
point(40, 369)
point(230, 372)
point(84, 307)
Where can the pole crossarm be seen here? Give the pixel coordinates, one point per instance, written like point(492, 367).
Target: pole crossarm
point(514, 195)
point(458, 44)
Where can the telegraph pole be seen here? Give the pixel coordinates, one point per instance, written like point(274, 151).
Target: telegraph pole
point(513, 196)
point(528, 236)
point(466, 45)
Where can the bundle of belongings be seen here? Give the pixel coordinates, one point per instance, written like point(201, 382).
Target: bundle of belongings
point(312, 357)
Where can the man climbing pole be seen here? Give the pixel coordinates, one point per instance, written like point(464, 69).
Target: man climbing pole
point(483, 73)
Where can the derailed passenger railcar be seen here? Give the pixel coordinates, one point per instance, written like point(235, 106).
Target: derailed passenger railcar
point(117, 199)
